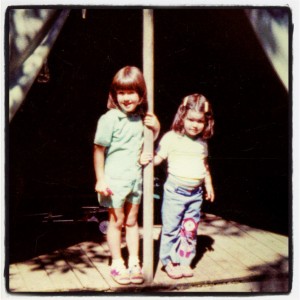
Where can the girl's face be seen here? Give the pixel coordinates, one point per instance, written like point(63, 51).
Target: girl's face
point(193, 123)
point(128, 100)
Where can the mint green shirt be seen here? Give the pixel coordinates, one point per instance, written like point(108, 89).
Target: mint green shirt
point(122, 135)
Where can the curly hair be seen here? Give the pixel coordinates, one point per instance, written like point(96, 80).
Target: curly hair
point(128, 78)
point(198, 103)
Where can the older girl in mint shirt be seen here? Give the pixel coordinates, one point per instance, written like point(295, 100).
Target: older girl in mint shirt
point(118, 145)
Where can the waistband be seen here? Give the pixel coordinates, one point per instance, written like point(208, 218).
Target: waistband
point(185, 182)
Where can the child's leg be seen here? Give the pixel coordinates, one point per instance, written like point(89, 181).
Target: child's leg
point(187, 248)
point(172, 213)
point(118, 270)
point(170, 237)
point(114, 230)
point(132, 229)
point(132, 240)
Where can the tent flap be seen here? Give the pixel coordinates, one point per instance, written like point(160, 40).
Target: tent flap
point(32, 33)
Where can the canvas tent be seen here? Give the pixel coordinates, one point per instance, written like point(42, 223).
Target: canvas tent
point(32, 33)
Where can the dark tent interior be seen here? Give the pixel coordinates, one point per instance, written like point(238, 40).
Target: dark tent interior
point(211, 51)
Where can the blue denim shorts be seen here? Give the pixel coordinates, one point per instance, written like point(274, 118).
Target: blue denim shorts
point(124, 190)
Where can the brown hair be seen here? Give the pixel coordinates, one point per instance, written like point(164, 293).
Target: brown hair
point(128, 78)
point(198, 103)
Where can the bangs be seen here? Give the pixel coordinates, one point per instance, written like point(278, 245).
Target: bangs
point(126, 84)
point(129, 78)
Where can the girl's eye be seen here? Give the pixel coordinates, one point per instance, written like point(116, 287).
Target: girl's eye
point(198, 121)
point(129, 92)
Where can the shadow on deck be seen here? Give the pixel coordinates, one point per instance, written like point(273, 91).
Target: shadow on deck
point(74, 258)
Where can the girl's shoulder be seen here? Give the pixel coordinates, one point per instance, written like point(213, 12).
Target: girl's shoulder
point(202, 142)
point(113, 114)
point(175, 135)
point(168, 134)
point(171, 136)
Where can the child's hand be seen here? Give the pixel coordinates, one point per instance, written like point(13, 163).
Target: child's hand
point(210, 194)
point(145, 158)
point(151, 122)
point(103, 189)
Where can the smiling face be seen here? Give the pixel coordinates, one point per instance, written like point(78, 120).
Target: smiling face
point(128, 100)
point(193, 123)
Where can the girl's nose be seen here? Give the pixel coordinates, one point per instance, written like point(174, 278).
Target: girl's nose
point(126, 96)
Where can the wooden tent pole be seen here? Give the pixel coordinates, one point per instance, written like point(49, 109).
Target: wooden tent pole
point(148, 59)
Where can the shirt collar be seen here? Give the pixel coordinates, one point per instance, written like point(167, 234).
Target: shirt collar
point(122, 115)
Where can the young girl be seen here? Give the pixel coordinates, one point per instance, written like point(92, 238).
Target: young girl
point(185, 149)
point(118, 143)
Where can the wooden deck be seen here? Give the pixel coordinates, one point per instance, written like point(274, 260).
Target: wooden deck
point(228, 254)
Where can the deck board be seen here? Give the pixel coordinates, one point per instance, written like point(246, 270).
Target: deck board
point(16, 282)
point(84, 270)
point(60, 273)
point(271, 240)
point(229, 252)
point(100, 261)
point(221, 265)
point(34, 276)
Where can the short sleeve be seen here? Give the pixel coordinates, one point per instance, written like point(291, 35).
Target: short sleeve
point(163, 146)
point(104, 130)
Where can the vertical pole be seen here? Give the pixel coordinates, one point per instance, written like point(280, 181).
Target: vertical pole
point(148, 58)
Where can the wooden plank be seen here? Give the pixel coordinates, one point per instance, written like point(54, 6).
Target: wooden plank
point(228, 256)
point(148, 188)
point(203, 271)
point(215, 268)
point(34, 276)
point(60, 273)
point(224, 253)
point(208, 219)
point(253, 248)
point(265, 238)
point(84, 269)
point(214, 225)
point(206, 270)
point(221, 263)
point(161, 277)
point(275, 286)
point(243, 246)
point(218, 226)
point(16, 282)
point(238, 252)
point(279, 237)
point(98, 256)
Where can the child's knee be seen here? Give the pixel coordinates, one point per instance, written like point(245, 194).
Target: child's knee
point(131, 222)
point(117, 225)
point(118, 221)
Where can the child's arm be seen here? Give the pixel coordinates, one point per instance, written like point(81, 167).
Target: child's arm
point(152, 122)
point(210, 194)
point(101, 186)
point(157, 160)
point(147, 157)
